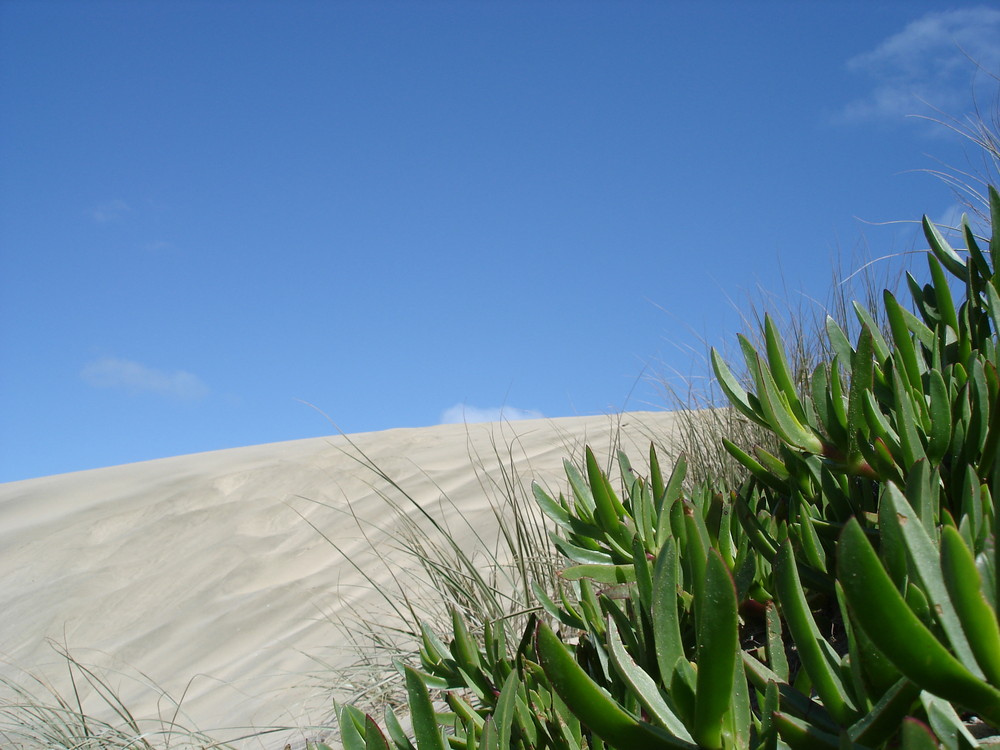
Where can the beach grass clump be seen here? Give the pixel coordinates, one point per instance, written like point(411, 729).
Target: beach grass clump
point(91, 714)
point(842, 594)
point(491, 582)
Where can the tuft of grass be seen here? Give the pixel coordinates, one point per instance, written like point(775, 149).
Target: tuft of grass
point(92, 715)
point(487, 582)
point(37, 715)
point(703, 415)
point(982, 132)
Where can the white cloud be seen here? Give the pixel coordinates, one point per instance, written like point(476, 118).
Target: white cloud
point(949, 218)
point(465, 414)
point(110, 372)
point(928, 60)
point(109, 211)
point(949, 221)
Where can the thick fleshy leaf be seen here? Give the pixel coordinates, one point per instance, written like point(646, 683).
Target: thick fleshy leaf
point(736, 394)
point(666, 623)
point(838, 401)
point(981, 265)
point(569, 617)
point(758, 536)
point(792, 700)
point(425, 726)
point(768, 729)
point(978, 619)
point(579, 554)
point(396, 732)
point(993, 300)
point(772, 463)
point(801, 735)
point(694, 555)
point(584, 505)
point(916, 735)
point(504, 714)
point(352, 723)
point(812, 548)
point(464, 711)
point(940, 416)
point(737, 721)
point(899, 634)
point(813, 650)
point(780, 414)
point(374, 739)
point(919, 329)
point(550, 507)
point(643, 687)
point(656, 475)
point(943, 251)
point(946, 723)
point(839, 342)
point(592, 705)
point(906, 421)
point(942, 293)
point(718, 647)
point(433, 650)
point(778, 365)
point(879, 345)
point(642, 570)
point(670, 496)
point(925, 560)
point(759, 471)
point(608, 510)
point(879, 427)
point(879, 724)
point(463, 647)
point(775, 645)
point(901, 337)
point(862, 377)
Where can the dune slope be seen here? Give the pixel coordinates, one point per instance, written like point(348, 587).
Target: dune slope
point(208, 573)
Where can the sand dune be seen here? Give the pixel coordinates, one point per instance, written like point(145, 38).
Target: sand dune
point(208, 573)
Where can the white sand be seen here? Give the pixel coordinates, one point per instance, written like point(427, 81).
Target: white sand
point(200, 572)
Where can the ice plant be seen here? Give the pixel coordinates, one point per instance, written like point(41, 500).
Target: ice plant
point(844, 595)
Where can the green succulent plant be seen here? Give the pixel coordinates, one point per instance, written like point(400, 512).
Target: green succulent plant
point(844, 595)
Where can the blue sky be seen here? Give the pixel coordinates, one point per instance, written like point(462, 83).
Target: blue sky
point(215, 213)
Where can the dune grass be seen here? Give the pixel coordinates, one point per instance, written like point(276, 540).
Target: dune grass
point(91, 715)
point(702, 410)
point(490, 583)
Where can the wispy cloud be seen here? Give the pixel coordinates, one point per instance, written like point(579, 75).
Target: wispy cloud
point(930, 60)
point(949, 219)
point(109, 211)
point(463, 413)
point(111, 372)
